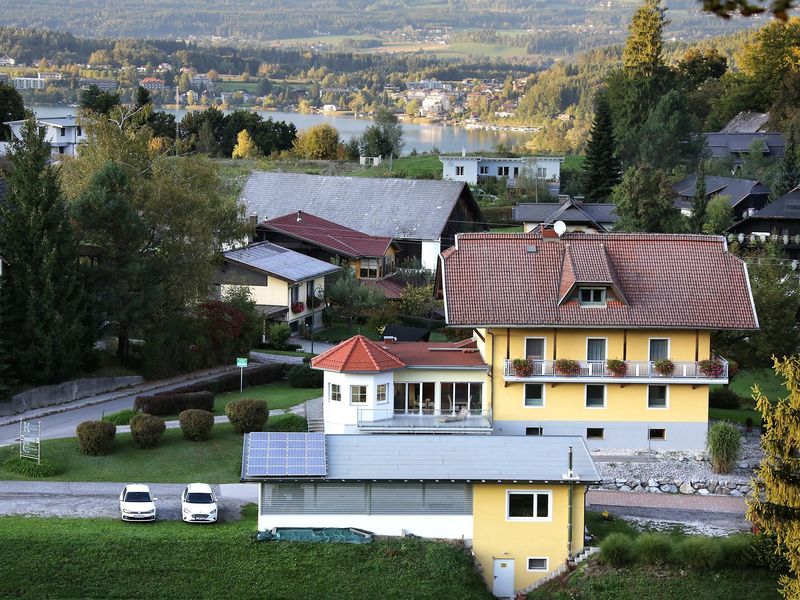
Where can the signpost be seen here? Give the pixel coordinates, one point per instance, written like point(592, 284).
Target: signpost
point(242, 364)
point(30, 440)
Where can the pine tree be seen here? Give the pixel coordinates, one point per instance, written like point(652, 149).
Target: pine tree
point(643, 52)
point(42, 292)
point(700, 200)
point(775, 508)
point(601, 169)
point(788, 176)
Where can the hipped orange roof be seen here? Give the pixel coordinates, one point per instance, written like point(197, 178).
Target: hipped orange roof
point(358, 354)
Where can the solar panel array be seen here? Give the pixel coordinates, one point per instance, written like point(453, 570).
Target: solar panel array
point(286, 455)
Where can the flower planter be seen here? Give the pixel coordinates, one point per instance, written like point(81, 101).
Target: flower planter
point(522, 368)
point(664, 367)
point(298, 307)
point(616, 367)
point(711, 368)
point(568, 367)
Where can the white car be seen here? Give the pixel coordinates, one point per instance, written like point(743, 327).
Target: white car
point(136, 503)
point(198, 504)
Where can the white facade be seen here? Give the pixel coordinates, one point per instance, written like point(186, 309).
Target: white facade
point(7, 61)
point(29, 83)
point(342, 415)
point(62, 133)
point(472, 168)
point(429, 254)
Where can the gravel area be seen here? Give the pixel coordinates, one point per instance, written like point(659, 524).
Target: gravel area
point(674, 464)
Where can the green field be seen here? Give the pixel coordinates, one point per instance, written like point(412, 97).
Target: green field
point(277, 395)
point(426, 166)
point(250, 87)
point(769, 383)
point(105, 558)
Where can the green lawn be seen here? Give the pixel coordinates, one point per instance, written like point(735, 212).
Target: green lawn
point(735, 415)
point(105, 558)
point(341, 331)
point(277, 395)
point(770, 384)
point(425, 166)
point(284, 352)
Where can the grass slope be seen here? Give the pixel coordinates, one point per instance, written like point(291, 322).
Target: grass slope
point(103, 558)
point(277, 395)
point(770, 384)
point(425, 166)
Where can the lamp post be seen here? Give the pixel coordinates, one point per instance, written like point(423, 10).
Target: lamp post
point(318, 293)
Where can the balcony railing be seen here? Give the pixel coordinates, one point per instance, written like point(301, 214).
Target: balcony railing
point(388, 419)
point(635, 369)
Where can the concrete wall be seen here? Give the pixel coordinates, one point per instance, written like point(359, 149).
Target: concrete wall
point(68, 391)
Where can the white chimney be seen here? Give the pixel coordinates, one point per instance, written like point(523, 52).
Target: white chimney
point(463, 152)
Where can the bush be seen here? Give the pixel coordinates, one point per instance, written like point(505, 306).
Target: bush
point(229, 382)
point(653, 549)
point(279, 334)
point(724, 397)
point(699, 553)
point(303, 376)
point(288, 422)
point(617, 550)
point(30, 468)
point(96, 437)
point(247, 415)
point(173, 403)
point(122, 417)
point(736, 551)
point(764, 552)
point(724, 446)
point(196, 424)
point(146, 430)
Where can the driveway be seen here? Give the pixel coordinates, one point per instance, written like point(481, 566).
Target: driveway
point(87, 500)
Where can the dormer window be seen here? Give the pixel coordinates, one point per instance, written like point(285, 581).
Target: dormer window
point(592, 296)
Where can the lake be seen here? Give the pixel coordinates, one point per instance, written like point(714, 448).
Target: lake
point(420, 137)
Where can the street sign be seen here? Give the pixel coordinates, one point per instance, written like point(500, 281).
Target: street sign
point(30, 440)
point(241, 363)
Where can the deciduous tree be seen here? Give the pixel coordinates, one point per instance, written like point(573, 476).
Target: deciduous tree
point(320, 142)
point(644, 202)
point(245, 146)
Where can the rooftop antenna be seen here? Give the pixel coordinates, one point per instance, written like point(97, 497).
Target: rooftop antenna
point(559, 227)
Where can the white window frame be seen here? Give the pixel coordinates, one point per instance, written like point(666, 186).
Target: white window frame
point(459, 170)
point(338, 392)
point(483, 170)
point(534, 337)
point(656, 439)
point(586, 396)
point(666, 397)
point(604, 291)
point(669, 347)
point(546, 564)
point(549, 495)
point(525, 396)
point(366, 395)
point(385, 387)
point(602, 436)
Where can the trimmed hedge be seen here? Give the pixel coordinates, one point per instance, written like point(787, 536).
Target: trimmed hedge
point(96, 437)
point(196, 424)
point(247, 415)
point(30, 468)
point(303, 376)
point(172, 403)
point(724, 397)
point(146, 430)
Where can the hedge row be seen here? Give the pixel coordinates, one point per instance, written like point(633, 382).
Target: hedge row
point(173, 403)
point(303, 376)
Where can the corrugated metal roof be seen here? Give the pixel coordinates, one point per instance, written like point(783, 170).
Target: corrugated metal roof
point(394, 457)
point(414, 209)
point(279, 261)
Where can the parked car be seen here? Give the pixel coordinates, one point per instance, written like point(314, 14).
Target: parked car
point(198, 504)
point(136, 503)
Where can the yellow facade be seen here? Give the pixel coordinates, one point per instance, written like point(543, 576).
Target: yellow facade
point(497, 536)
point(276, 292)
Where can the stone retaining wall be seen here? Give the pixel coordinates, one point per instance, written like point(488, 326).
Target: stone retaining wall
point(701, 487)
point(68, 391)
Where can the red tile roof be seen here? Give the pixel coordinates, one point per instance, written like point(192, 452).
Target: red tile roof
point(665, 281)
point(360, 355)
point(329, 235)
point(391, 287)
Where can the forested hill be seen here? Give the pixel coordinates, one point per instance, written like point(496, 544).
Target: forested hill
point(567, 23)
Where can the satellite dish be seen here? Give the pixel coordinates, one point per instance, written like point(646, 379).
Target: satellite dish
point(559, 227)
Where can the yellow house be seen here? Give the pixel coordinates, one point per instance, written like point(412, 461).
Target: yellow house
point(285, 285)
point(518, 501)
point(606, 336)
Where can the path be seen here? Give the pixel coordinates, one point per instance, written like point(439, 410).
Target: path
point(87, 500)
point(710, 515)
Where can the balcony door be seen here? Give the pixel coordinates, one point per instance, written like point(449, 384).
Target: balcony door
point(659, 349)
point(596, 355)
point(534, 353)
point(414, 397)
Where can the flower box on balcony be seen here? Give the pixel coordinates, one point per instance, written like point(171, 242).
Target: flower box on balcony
point(664, 367)
point(522, 367)
point(617, 367)
point(298, 307)
point(711, 368)
point(569, 367)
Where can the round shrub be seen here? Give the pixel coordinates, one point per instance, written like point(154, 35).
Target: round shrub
point(289, 422)
point(303, 376)
point(146, 430)
point(724, 446)
point(699, 553)
point(653, 549)
point(96, 437)
point(196, 424)
point(30, 468)
point(736, 551)
point(247, 415)
point(724, 397)
point(617, 550)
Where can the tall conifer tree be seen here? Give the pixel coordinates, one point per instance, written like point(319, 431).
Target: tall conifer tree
point(700, 200)
point(601, 169)
point(788, 176)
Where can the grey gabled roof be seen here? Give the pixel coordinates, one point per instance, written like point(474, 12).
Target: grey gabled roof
point(785, 207)
point(723, 144)
point(746, 122)
point(475, 458)
point(415, 209)
point(569, 211)
point(737, 189)
point(280, 262)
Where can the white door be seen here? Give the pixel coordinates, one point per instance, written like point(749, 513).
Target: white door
point(503, 586)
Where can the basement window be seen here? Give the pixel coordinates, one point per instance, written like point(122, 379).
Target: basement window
point(590, 296)
point(656, 434)
point(533, 431)
point(537, 564)
point(595, 433)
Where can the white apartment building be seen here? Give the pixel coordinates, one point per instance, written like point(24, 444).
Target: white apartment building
point(62, 133)
point(472, 169)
